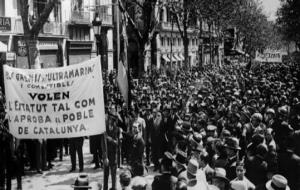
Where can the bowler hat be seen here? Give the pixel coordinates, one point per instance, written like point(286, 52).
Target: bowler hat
point(81, 182)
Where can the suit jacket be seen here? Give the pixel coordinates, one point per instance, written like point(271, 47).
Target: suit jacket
point(289, 166)
point(165, 181)
point(137, 151)
point(256, 170)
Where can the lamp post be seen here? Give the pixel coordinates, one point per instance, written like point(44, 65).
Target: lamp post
point(97, 23)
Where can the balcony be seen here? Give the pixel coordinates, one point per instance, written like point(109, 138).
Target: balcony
point(105, 16)
point(50, 28)
point(54, 28)
point(80, 17)
point(167, 26)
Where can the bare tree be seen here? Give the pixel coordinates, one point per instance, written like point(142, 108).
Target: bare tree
point(32, 25)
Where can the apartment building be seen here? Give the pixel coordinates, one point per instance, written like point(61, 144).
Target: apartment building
point(66, 38)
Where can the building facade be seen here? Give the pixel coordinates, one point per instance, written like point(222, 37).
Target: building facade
point(67, 37)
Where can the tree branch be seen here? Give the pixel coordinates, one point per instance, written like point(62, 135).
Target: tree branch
point(43, 17)
point(25, 16)
point(130, 20)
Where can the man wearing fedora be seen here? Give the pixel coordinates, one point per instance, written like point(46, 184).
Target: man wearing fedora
point(232, 148)
point(166, 180)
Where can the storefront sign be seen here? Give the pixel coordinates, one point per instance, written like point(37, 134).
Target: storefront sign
point(47, 45)
point(10, 56)
point(55, 103)
point(5, 23)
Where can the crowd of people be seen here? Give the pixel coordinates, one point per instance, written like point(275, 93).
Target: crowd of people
point(215, 128)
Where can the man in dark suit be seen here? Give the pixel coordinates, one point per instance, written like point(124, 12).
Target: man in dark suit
point(257, 167)
point(76, 146)
point(165, 181)
point(289, 165)
point(112, 134)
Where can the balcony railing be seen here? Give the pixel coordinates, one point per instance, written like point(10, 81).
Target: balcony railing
point(54, 28)
point(50, 28)
point(104, 15)
point(106, 19)
point(80, 17)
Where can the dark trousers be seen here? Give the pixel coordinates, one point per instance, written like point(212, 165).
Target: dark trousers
point(5, 168)
point(148, 147)
point(112, 157)
point(113, 169)
point(76, 146)
point(97, 157)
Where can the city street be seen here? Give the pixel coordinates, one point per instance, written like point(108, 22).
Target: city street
point(59, 177)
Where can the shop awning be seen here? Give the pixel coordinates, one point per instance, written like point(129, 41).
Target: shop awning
point(165, 57)
point(3, 47)
point(177, 57)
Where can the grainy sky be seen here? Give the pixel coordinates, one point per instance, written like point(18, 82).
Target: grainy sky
point(270, 7)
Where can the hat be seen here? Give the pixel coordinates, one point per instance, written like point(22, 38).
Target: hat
point(232, 143)
point(180, 157)
point(186, 126)
point(192, 167)
point(81, 182)
point(257, 116)
point(270, 111)
point(211, 128)
point(278, 182)
point(220, 173)
point(283, 110)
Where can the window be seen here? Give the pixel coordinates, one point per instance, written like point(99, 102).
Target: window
point(18, 7)
point(161, 15)
point(168, 41)
point(79, 34)
point(2, 7)
point(162, 41)
point(178, 41)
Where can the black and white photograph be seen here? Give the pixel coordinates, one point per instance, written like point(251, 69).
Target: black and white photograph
point(149, 95)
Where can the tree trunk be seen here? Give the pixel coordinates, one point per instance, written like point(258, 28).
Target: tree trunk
point(153, 52)
point(210, 45)
point(200, 47)
point(141, 61)
point(33, 52)
point(186, 52)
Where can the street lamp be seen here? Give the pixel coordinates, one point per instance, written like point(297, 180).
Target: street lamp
point(97, 23)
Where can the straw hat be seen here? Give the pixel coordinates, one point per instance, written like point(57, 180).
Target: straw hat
point(277, 182)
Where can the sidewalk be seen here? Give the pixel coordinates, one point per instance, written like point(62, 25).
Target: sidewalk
point(59, 177)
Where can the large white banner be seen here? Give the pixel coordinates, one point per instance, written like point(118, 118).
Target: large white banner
point(56, 102)
point(269, 56)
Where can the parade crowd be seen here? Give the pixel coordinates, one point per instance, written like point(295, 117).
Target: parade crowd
point(215, 128)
